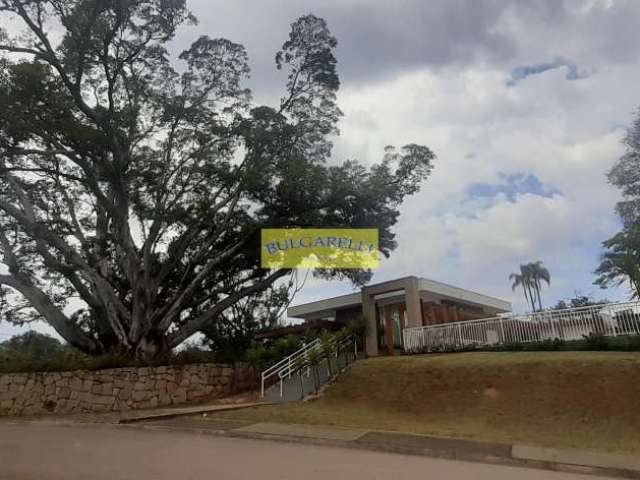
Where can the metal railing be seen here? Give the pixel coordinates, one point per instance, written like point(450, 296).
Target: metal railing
point(287, 363)
point(299, 359)
point(569, 324)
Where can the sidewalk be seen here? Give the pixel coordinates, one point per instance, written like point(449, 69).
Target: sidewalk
point(395, 442)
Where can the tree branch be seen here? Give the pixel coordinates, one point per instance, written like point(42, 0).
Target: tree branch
point(67, 329)
point(199, 322)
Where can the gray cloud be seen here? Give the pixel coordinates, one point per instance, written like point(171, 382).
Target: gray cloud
point(375, 39)
point(524, 71)
point(379, 40)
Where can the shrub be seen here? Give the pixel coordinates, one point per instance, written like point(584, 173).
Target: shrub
point(596, 341)
point(263, 356)
point(627, 343)
point(358, 327)
point(35, 352)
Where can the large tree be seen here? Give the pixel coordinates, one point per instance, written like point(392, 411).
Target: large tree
point(133, 188)
point(620, 263)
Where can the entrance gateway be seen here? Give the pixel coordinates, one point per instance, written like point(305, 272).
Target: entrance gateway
point(394, 305)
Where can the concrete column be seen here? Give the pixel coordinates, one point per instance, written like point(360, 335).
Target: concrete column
point(369, 311)
point(412, 300)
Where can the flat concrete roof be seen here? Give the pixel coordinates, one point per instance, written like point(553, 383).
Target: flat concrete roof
point(465, 295)
point(425, 286)
point(333, 303)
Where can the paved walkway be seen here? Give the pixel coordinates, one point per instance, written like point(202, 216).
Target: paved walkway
point(35, 451)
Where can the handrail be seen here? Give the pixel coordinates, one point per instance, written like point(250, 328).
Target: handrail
point(287, 361)
point(288, 370)
point(305, 346)
point(285, 367)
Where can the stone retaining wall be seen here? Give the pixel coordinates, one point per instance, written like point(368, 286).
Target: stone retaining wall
point(120, 389)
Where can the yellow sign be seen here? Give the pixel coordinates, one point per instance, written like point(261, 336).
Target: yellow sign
point(319, 248)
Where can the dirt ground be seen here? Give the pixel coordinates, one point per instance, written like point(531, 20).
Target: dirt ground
point(584, 400)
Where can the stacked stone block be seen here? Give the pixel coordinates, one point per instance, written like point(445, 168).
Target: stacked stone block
point(120, 389)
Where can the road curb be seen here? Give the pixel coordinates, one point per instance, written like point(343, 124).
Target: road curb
point(514, 455)
point(579, 458)
point(187, 411)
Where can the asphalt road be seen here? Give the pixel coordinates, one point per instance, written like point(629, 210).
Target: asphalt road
point(88, 452)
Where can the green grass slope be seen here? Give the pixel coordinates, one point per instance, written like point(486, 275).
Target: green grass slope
point(586, 400)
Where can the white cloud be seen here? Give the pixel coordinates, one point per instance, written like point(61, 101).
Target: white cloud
point(567, 134)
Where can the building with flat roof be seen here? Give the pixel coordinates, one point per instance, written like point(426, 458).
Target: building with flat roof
point(397, 304)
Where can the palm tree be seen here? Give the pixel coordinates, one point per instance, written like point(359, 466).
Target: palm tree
point(530, 279)
point(523, 279)
point(538, 274)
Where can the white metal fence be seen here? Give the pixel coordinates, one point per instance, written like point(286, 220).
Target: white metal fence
point(570, 324)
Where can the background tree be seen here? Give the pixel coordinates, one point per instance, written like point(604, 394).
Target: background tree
point(538, 274)
point(523, 279)
point(132, 195)
point(578, 301)
point(31, 344)
point(234, 331)
point(620, 263)
point(530, 279)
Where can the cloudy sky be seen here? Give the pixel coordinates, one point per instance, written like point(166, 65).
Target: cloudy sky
point(524, 102)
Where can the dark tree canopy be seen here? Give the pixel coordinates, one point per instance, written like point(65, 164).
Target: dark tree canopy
point(620, 263)
point(133, 188)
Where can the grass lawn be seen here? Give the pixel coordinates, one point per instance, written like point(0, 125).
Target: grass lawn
point(584, 400)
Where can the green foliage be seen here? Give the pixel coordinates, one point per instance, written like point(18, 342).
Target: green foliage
point(578, 301)
point(263, 356)
point(530, 279)
point(544, 346)
point(314, 357)
point(592, 342)
point(620, 262)
point(596, 341)
point(32, 344)
point(35, 352)
point(624, 175)
point(327, 340)
point(625, 343)
point(358, 327)
point(328, 347)
point(233, 334)
point(255, 356)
